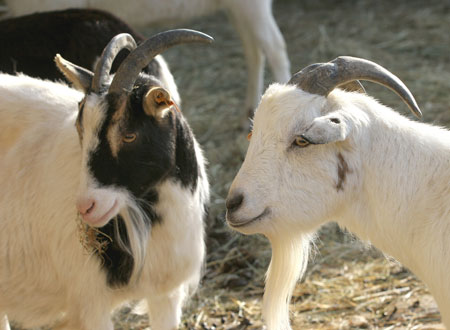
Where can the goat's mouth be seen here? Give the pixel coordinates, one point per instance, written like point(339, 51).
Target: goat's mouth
point(101, 220)
point(236, 223)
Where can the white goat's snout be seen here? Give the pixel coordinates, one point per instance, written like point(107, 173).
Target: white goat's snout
point(98, 207)
point(242, 214)
point(234, 201)
point(233, 204)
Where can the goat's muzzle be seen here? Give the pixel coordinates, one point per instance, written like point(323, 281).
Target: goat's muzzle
point(234, 202)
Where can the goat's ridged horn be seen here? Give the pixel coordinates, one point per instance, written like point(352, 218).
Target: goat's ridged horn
point(130, 68)
point(101, 75)
point(322, 78)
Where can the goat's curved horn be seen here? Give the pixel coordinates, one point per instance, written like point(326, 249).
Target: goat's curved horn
point(130, 68)
point(103, 67)
point(322, 78)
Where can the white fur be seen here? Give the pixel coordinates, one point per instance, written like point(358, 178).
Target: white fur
point(396, 192)
point(45, 275)
point(253, 20)
point(4, 324)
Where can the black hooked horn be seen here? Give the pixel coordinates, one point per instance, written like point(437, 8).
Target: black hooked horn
point(138, 59)
point(322, 78)
point(103, 67)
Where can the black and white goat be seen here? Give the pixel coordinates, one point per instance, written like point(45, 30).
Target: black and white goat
point(121, 157)
point(79, 35)
point(253, 20)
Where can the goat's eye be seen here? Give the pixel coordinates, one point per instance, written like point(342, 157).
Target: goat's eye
point(130, 137)
point(301, 142)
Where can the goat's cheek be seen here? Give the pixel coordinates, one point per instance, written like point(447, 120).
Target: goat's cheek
point(295, 194)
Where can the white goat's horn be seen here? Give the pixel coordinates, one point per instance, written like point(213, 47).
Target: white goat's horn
point(103, 67)
point(130, 68)
point(322, 78)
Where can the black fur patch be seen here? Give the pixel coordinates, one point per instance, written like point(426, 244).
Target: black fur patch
point(117, 262)
point(163, 148)
point(186, 166)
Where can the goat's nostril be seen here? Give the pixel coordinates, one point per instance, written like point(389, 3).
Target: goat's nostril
point(91, 208)
point(86, 206)
point(234, 202)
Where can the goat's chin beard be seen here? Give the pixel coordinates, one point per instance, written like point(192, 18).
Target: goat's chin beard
point(289, 260)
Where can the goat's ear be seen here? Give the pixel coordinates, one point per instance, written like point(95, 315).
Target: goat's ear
point(157, 102)
point(80, 78)
point(327, 129)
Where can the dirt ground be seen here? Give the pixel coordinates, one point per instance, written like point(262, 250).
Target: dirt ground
point(348, 285)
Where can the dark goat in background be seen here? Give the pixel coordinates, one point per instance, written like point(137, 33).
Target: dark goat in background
point(79, 35)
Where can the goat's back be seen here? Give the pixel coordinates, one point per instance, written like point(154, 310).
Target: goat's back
point(79, 35)
point(28, 103)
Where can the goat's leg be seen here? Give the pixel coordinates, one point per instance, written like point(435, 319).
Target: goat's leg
point(254, 60)
point(92, 317)
point(268, 37)
point(4, 324)
point(165, 310)
point(70, 325)
point(260, 36)
point(78, 325)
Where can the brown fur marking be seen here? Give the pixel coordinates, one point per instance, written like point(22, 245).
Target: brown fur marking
point(113, 135)
point(342, 170)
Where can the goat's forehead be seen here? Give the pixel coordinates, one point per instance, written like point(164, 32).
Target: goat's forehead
point(284, 107)
point(98, 109)
point(101, 121)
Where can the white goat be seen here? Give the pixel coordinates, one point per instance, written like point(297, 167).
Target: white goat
point(253, 20)
point(134, 172)
point(320, 154)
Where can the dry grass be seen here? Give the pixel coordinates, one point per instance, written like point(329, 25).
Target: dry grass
point(347, 285)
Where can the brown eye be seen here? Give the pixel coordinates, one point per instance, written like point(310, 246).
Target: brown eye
point(249, 136)
point(130, 137)
point(301, 142)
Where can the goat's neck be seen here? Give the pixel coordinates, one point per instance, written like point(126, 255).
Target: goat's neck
point(186, 165)
point(402, 204)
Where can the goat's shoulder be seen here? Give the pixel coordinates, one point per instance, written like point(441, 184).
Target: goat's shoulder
point(178, 236)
